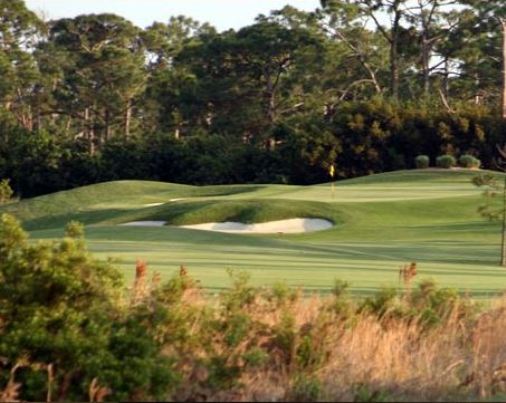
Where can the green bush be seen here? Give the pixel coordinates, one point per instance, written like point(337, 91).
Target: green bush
point(446, 161)
point(5, 191)
point(422, 161)
point(468, 161)
point(62, 309)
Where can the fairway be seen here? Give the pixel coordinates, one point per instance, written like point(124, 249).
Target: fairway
point(381, 222)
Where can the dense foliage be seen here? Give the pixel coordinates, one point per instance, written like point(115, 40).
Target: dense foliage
point(63, 323)
point(70, 330)
point(95, 98)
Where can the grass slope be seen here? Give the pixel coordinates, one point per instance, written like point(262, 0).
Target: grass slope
point(382, 222)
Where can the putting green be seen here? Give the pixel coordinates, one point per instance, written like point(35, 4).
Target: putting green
point(381, 223)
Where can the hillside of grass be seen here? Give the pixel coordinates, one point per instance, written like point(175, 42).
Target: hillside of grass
point(114, 202)
point(382, 222)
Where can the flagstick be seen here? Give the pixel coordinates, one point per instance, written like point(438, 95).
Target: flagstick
point(332, 188)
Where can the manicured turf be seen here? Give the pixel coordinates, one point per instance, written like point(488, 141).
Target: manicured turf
point(381, 222)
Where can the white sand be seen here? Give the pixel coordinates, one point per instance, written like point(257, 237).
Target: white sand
point(145, 223)
point(159, 204)
point(291, 226)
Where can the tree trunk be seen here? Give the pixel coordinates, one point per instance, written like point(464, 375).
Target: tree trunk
point(446, 80)
point(89, 131)
point(477, 96)
point(86, 128)
point(503, 114)
point(128, 118)
point(270, 98)
point(38, 119)
point(107, 125)
point(503, 229)
point(394, 72)
point(67, 126)
point(394, 56)
point(503, 98)
point(425, 66)
point(503, 226)
point(271, 114)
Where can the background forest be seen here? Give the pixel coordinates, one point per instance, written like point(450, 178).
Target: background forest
point(366, 85)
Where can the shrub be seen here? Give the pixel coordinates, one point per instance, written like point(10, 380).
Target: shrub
point(58, 304)
point(5, 191)
point(468, 161)
point(422, 161)
point(446, 161)
point(306, 389)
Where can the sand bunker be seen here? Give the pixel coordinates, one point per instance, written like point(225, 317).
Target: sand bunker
point(291, 226)
point(145, 224)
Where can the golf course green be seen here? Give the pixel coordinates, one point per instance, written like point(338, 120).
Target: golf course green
point(381, 222)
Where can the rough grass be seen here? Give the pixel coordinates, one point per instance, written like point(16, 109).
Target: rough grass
point(423, 344)
point(382, 222)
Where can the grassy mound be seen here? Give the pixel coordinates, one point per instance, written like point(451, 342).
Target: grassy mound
point(249, 211)
point(382, 222)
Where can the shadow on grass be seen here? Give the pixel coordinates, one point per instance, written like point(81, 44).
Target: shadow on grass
point(59, 221)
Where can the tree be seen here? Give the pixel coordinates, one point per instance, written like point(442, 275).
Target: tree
point(494, 187)
point(168, 103)
point(375, 11)
point(164, 41)
point(503, 92)
point(434, 21)
point(339, 22)
point(475, 47)
point(489, 180)
point(243, 80)
point(20, 29)
point(494, 211)
point(103, 75)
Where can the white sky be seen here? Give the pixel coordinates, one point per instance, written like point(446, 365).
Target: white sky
point(223, 14)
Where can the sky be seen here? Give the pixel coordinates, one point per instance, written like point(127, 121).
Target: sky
point(223, 14)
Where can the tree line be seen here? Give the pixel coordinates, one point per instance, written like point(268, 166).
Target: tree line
point(365, 85)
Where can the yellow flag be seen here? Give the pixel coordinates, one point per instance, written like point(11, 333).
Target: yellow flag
point(332, 171)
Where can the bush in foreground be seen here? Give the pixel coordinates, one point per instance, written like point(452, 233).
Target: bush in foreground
point(64, 326)
point(71, 331)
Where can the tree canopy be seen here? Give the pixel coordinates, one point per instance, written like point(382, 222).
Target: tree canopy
point(365, 85)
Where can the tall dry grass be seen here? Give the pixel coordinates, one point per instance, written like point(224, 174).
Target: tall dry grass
point(355, 354)
point(274, 344)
